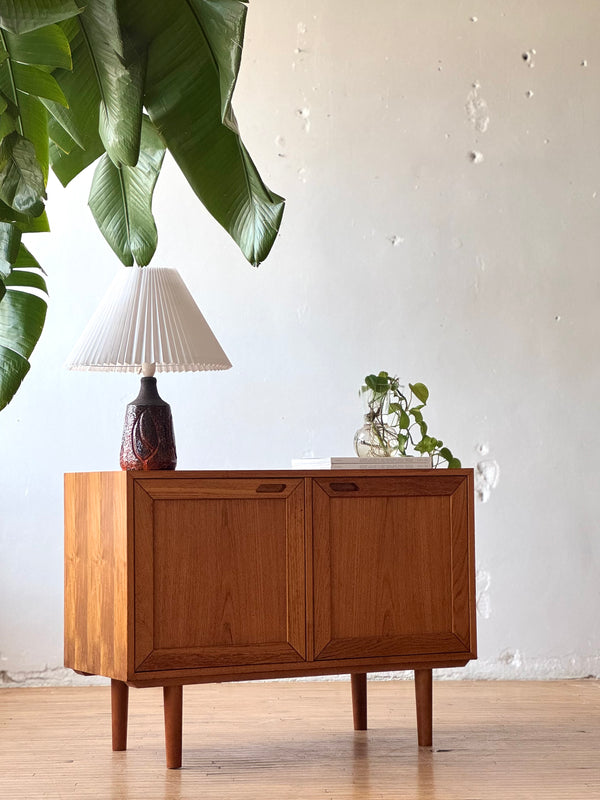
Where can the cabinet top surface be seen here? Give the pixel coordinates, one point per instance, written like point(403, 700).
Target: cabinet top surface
point(281, 473)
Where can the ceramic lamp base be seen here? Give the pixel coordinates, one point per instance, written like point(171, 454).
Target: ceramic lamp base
point(148, 439)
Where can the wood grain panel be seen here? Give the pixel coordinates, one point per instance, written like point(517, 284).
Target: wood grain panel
point(391, 567)
point(96, 573)
point(226, 577)
point(218, 565)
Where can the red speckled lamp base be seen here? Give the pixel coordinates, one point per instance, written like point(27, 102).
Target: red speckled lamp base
point(148, 439)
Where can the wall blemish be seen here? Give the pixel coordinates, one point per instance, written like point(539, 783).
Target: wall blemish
point(529, 58)
point(477, 109)
point(529, 93)
point(512, 658)
point(483, 581)
point(300, 48)
point(280, 145)
point(395, 240)
point(487, 475)
point(304, 114)
point(475, 157)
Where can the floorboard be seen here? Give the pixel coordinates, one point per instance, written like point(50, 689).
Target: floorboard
point(274, 741)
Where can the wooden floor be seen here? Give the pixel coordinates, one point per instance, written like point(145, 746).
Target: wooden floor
point(295, 740)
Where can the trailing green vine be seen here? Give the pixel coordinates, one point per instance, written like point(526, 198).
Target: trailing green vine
point(397, 422)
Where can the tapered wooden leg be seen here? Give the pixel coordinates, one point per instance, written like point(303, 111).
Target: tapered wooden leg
point(424, 698)
point(173, 699)
point(359, 700)
point(119, 701)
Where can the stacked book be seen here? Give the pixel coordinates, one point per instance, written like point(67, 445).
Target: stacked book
point(350, 462)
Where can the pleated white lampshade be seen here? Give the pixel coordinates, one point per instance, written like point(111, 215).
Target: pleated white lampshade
point(148, 317)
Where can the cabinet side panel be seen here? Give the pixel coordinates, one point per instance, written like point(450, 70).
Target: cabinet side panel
point(96, 573)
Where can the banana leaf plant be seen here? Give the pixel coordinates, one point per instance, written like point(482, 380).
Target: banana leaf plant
point(117, 82)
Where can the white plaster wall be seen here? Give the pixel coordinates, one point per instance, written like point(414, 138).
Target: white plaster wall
point(442, 223)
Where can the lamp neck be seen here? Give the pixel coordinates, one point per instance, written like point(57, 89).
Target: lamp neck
point(148, 395)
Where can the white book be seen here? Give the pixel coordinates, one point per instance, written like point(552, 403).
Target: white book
point(350, 462)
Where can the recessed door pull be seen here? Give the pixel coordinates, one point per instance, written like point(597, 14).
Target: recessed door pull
point(343, 487)
point(274, 488)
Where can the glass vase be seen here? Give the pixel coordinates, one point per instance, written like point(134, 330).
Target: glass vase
point(373, 439)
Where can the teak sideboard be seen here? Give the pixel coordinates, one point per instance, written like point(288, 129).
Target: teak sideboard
point(175, 578)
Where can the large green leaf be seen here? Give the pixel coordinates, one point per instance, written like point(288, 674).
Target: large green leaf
point(59, 136)
point(47, 46)
point(34, 121)
point(38, 83)
point(22, 316)
point(104, 95)
point(21, 180)
point(183, 99)
point(23, 223)
point(80, 120)
point(13, 368)
point(121, 200)
point(21, 16)
point(67, 166)
point(10, 240)
point(21, 84)
point(222, 23)
point(120, 74)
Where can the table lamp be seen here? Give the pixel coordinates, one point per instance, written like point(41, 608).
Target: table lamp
point(148, 322)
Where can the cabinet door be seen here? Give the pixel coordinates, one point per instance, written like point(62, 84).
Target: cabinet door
point(393, 566)
point(219, 572)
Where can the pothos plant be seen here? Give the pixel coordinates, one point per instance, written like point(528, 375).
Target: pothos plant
point(396, 422)
point(117, 82)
